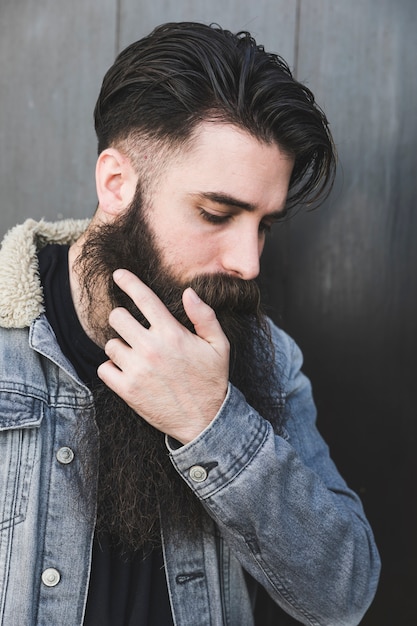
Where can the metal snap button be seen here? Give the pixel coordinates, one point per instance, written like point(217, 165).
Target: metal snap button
point(65, 455)
point(51, 577)
point(198, 473)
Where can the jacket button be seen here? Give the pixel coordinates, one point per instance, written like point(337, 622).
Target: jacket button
point(51, 577)
point(65, 455)
point(198, 474)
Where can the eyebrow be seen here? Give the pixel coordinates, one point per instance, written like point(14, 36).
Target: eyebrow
point(227, 200)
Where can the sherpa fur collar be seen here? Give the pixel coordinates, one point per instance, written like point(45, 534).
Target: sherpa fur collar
point(21, 296)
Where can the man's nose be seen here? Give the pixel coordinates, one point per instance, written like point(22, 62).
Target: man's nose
point(241, 256)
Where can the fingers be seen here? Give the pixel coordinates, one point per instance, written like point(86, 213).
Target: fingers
point(200, 314)
point(110, 374)
point(205, 321)
point(144, 298)
point(125, 325)
point(176, 380)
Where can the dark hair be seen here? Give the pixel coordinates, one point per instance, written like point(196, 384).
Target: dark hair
point(164, 85)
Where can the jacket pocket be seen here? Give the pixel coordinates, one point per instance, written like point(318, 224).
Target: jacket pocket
point(19, 418)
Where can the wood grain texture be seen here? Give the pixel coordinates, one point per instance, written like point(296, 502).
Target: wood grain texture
point(273, 23)
point(350, 271)
point(52, 59)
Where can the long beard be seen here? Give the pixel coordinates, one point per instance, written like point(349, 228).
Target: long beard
point(136, 476)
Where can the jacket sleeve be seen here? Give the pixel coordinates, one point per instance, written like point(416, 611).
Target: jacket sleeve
point(281, 504)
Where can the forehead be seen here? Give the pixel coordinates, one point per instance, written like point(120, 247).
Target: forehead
point(226, 159)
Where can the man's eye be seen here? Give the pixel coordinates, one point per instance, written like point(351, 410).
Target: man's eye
point(213, 218)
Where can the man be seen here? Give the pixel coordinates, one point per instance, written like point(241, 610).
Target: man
point(160, 461)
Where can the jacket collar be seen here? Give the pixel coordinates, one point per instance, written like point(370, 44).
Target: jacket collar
point(21, 295)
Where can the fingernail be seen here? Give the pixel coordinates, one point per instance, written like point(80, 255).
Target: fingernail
point(117, 274)
point(194, 297)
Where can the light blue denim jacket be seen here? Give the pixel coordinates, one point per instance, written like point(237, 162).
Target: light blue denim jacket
point(277, 507)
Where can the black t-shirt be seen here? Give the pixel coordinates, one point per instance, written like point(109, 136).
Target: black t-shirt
point(128, 589)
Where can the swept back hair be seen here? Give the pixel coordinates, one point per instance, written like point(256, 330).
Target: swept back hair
point(161, 87)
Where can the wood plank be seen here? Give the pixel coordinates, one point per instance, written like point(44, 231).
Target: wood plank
point(52, 60)
point(272, 23)
point(351, 296)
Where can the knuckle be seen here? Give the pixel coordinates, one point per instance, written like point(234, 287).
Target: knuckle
point(151, 357)
point(226, 347)
point(131, 389)
point(210, 314)
point(174, 335)
point(145, 299)
point(114, 315)
point(111, 346)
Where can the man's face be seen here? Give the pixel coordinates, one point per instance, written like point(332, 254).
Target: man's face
point(204, 225)
point(213, 205)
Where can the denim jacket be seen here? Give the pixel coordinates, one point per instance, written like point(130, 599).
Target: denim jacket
point(277, 507)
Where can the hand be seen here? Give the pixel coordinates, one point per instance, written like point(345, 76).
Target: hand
point(175, 380)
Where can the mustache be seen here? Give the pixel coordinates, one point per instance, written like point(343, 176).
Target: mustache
point(228, 296)
point(225, 293)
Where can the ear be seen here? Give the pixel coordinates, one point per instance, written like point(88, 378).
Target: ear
point(116, 181)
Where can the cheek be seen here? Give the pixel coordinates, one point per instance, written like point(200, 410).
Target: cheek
point(188, 255)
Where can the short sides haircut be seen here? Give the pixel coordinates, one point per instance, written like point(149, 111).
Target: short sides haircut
point(163, 86)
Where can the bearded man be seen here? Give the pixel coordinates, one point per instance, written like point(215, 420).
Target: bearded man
point(160, 461)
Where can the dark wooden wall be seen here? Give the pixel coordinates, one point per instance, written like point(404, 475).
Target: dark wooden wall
point(342, 280)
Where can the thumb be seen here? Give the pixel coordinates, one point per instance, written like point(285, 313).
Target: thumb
point(205, 321)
